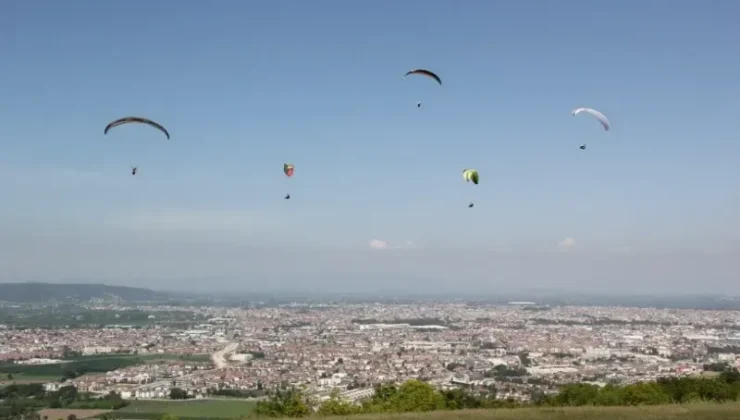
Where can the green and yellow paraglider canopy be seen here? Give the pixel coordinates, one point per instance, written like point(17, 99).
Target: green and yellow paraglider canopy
point(470, 175)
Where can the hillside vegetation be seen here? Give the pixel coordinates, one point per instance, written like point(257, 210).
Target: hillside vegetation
point(70, 316)
point(66, 292)
point(415, 396)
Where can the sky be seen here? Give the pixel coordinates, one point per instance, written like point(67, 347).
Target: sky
point(378, 201)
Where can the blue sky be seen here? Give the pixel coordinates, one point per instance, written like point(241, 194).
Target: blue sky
point(245, 86)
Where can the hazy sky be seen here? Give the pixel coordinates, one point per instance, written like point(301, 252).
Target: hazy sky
point(378, 201)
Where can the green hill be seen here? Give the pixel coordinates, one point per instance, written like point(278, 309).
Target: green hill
point(74, 292)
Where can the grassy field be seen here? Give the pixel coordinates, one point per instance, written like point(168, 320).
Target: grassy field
point(235, 409)
point(86, 364)
point(200, 409)
point(665, 412)
point(61, 413)
point(146, 357)
point(28, 379)
point(185, 357)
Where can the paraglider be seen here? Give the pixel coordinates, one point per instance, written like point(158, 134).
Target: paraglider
point(127, 120)
point(470, 175)
point(424, 72)
point(288, 169)
point(596, 114)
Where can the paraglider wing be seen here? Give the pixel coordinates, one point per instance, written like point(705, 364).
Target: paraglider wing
point(596, 114)
point(426, 73)
point(474, 177)
point(288, 169)
point(127, 120)
point(471, 175)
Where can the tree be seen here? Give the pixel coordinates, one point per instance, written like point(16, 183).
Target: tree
point(730, 376)
point(645, 393)
point(452, 366)
point(457, 399)
point(716, 367)
point(524, 357)
point(415, 395)
point(71, 417)
point(577, 395)
point(178, 394)
point(336, 406)
point(289, 403)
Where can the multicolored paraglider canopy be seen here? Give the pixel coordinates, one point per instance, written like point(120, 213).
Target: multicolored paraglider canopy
point(288, 169)
point(424, 72)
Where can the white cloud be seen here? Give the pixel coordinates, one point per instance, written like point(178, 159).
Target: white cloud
point(500, 248)
point(187, 220)
point(567, 244)
point(381, 244)
point(378, 244)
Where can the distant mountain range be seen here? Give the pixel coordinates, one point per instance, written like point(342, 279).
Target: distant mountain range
point(83, 292)
point(75, 292)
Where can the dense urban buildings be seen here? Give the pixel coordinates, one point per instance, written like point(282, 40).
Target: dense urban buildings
point(516, 349)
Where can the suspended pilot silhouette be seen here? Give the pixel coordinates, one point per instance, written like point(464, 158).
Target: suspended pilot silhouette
point(582, 147)
point(287, 197)
point(470, 205)
point(134, 169)
point(418, 104)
